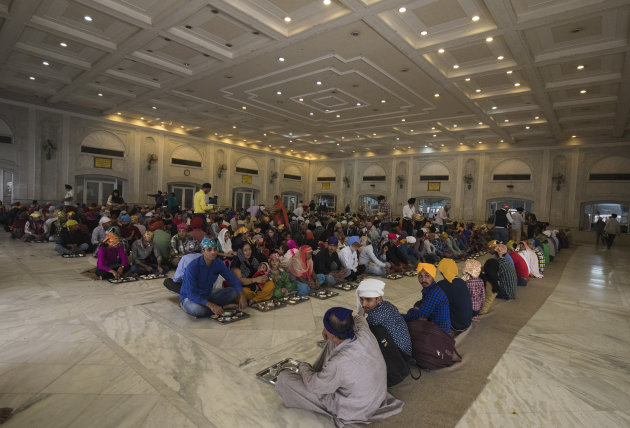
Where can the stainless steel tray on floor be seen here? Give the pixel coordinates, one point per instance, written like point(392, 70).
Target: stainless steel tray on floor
point(124, 279)
point(228, 317)
point(327, 295)
point(270, 374)
point(153, 276)
point(269, 305)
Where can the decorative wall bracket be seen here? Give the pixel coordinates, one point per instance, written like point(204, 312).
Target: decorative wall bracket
point(272, 177)
point(221, 169)
point(49, 148)
point(400, 180)
point(468, 179)
point(151, 159)
point(346, 181)
point(558, 179)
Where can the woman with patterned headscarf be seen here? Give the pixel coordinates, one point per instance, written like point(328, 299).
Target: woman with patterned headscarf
point(301, 267)
point(111, 259)
point(256, 287)
point(476, 286)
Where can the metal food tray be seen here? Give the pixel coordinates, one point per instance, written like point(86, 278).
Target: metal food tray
point(328, 295)
point(39, 241)
point(121, 280)
point(153, 276)
point(270, 374)
point(233, 315)
point(410, 273)
point(269, 305)
point(348, 286)
point(394, 276)
point(72, 256)
point(296, 300)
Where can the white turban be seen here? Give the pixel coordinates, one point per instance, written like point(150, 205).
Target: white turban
point(547, 233)
point(370, 287)
point(104, 219)
point(411, 240)
point(318, 224)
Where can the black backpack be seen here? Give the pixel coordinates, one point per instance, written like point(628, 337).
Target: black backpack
point(431, 347)
point(398, 363)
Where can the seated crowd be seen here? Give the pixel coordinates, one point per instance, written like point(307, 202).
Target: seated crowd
point(240, 257)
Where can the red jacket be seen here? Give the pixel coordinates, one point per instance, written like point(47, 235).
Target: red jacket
point(520, 265)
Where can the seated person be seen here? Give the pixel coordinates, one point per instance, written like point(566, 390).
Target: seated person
point(161, 240)
point(283, 286)
point(72, 240)
point(99, 232)
point(507, 274)
point(350, 260)
point(430, 252)
point(302, 270)
point(34, 228)
point(197, 232)
point(460, 305)
point(520, 266)
point(128, 231)
point(327, 263)
point(394, 256)
point(434, 305)
point(409, 251)
point(291, 250)
point(111, 259)
point(475, 285)
point(490, 275)
point(57, 225)
point(193, 251)
point(338, 384)
point(178, 243)
point(146, 257)
point(381, 312)
point(198, 297)
point(256, 288)
point(373, 265)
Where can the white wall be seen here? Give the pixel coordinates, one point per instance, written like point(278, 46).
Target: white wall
point(39, 178)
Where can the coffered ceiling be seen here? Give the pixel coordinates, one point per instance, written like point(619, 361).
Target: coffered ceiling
point(334, 78)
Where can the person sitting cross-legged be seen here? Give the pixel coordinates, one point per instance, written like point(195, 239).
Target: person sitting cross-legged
point(192, 251)
point(198, 297)
point(434, 305)
point(350, 260)
point(283, 285)
point(245, 266)
point(460, 304)
point(327, 263)
point(72, 240)
point(146, 257)
point(111, 259)
point(348, 381)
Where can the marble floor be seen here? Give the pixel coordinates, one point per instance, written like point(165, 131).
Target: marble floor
point(81, 353)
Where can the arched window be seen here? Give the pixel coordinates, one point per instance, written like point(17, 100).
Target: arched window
point(247, 165)
point(292, 172)
point(326, 174)
point(186, 156)
point(512, 170)
point(103, 143)
point(374, 173)
point(435, 171)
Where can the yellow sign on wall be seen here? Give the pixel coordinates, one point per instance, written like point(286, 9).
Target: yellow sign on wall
point(102, 163)
point(434, 186)
point(247, 179)
point(325, 186)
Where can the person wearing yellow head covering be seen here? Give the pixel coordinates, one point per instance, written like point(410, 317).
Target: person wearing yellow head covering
point(147, 258)
point(111, 261)
point(460, 304)
point(72, 240)
point(434, 305)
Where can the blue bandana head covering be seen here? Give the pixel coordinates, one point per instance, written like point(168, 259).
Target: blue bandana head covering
point(342, 314)
point(125, 218)
point(209, 243)
point(114, 229)
point(333, 240)
point(352, 240)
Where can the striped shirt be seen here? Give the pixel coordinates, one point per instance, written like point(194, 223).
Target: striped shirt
point(507, 279)
point(541, 259)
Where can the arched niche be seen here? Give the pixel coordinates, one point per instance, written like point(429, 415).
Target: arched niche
point(512, 167)
point(327, 172)
point(374, 170)
point(434, 169)
point(186, 153)
point(247, 165)
point(4, 129)
point(611, 165)
point(103, 140)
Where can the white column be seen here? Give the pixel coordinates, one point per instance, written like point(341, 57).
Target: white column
point(459, 188)
point(573, 172)
point(354, 202)
point(410, 163)
point(227, 199)
point(64, 152)
point(480, 210)
point(33, 155)
point(341, 197)
point(162, 162)
point(136, 178)
point(544, 210)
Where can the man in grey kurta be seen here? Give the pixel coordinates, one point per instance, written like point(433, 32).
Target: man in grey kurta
point(349, 379)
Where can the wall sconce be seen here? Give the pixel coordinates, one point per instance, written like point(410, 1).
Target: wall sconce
point(468, 179)
point(49, 148)
point(221, 169)
point(400, 180)
point(272, 177)
point(346, 180)
point(151, 160)
point(558, 179)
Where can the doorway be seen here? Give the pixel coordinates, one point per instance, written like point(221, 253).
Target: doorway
point(290, 200)
point(94, 189)
point(184, 193)
point(243, 198)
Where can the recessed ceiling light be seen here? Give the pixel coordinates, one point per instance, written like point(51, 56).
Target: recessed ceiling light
point(281, 58)
point(118, 113)
point(343, 138)
point(216, 133)
point(402, 10)
point(383, 101)
point(244, 108)
point(154, 107)
point(265, 134)
point(461, 142)
point(436, 95)
point(580, 67)
point(397, 138)
point(319, 82)
point(424, 32)
point(433, 128)
point(287, 19)
point(100, 94)
point(455, 66)
point(477, 90)
point(442, 144)
point(46, 63)
point(411, 130)
point(506, 120)
point(142, 118)
point(517, 84)
point(573, 136)
point(300, 99)
point(441, 50)
point(88, 18)
point(480, 123)
point(434, 135)
point(327, 2)
point(494, 107)
point(509, 72)
point(489, 39)
point(527, 127)
point(501, 140)
point(475, 18)
point(583, 91)
point(468, 79)
point(181, 126)
point(500, 57)
point(537, 117)
point(311, 113)
point(338, 115)
point(374, 133)
point(480, 142)
point(233, 126)
point(31, 77)
point(63, 44)
point(290, 133)
point(455, 126)
point(358, 104)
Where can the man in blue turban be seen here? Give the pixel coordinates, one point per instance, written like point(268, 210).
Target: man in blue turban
point(348, 381)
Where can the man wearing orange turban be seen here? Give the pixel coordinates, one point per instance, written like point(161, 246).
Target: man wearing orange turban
point(434, 305)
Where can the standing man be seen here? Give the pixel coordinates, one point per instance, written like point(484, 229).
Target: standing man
point(348, 381)
point(441, 218)
point(611, 229)
point(409, 211)
point(518, 218)
point(67, 200)
point(200, 208)
point(386, 210)
point(502, 219)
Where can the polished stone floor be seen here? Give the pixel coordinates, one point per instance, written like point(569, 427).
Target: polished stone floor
point(81, 353)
